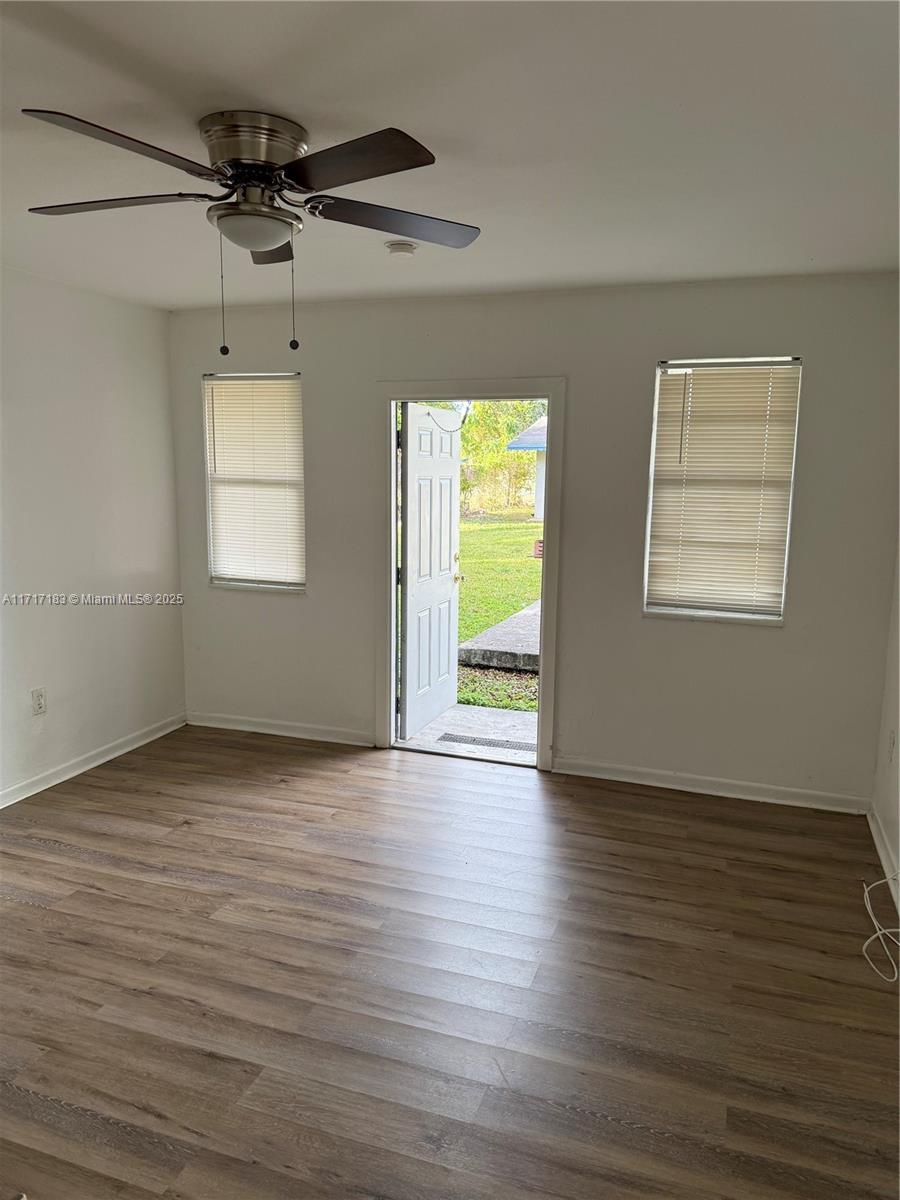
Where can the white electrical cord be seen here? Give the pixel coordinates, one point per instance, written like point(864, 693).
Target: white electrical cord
point(888, 939)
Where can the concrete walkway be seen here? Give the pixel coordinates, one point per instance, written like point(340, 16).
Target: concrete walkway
point(464, 729)
point(513, 644)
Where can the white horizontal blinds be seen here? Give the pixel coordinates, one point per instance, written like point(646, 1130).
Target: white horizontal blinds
point(254, 456)
point(721, 487)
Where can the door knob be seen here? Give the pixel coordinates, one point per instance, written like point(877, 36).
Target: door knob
point(459, 579)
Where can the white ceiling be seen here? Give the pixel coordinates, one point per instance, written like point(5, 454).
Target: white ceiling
point(592, 142)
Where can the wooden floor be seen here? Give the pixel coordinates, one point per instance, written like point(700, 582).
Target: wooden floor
point(246, 968)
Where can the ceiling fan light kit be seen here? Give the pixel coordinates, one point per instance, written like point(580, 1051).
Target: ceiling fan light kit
point(269, 179)
point(254, 224)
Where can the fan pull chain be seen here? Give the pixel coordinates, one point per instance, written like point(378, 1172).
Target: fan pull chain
point(223, 349)
point(294, 344)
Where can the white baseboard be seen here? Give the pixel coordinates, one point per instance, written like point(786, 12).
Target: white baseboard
point(886, 853)
point(736, 789)
point(84, 762)
point(309, 733)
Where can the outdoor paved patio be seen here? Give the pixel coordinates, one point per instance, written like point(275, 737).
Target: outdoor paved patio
point(513, 644)
point(468, 721)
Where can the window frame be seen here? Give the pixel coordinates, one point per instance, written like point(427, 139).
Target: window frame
point(247, 585)
point(729, 616)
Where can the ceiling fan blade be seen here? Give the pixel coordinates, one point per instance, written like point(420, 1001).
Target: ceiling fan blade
point(77, 125)
point(61, 210)
point(279, 254)
point(393, 220)
point(366, 157)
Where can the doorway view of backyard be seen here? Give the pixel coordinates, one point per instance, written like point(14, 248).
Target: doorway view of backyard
point(498, 516)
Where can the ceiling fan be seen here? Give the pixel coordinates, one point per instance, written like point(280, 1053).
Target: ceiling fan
point(269, 179)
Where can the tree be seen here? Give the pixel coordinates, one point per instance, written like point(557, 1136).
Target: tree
point(497, 477)
point(493, 477)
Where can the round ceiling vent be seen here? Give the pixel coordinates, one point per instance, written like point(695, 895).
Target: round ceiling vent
point(403, 249)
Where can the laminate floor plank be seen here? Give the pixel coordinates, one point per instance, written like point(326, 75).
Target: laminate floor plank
point(57, 880)
point(240, 967)
point(444, 1141)
point(49, 1176)
point(17, 1053)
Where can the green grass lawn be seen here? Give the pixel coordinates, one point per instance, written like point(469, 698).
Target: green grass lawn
point(496, 555)
point(487, 688)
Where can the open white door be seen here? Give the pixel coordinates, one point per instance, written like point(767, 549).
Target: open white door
point(429, 564)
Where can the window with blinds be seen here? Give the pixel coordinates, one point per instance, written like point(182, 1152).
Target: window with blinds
point(721, 478)
point(254, 470)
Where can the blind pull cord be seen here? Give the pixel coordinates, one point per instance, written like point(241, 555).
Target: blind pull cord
point(223, 349)
point(684, 380)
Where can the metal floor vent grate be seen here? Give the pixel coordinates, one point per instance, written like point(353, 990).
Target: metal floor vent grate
point(495, 743)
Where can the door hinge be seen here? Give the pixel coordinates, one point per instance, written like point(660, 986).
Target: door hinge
point(399, 439)
point(399, 576)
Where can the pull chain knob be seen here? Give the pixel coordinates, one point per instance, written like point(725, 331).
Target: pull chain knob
point(293, 343)
point(223, 349)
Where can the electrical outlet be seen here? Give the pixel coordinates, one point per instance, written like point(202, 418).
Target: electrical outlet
point(38, 701)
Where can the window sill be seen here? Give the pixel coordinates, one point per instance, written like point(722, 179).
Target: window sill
point(235, 585)
point(728, 618)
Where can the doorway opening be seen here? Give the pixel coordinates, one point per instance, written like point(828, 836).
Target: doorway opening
point(471, 495)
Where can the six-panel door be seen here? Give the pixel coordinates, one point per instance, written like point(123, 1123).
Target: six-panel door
point(430, 570)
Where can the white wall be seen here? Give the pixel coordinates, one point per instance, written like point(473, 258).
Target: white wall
point(540, 480)
point(767, 710)
point(88, 506)
point(885, 817)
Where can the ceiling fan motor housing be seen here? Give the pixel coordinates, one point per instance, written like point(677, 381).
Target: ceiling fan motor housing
point(242, 136)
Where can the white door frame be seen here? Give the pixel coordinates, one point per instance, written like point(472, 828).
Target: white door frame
point(394, 392)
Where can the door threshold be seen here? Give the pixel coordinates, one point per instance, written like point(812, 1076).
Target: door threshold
point(481, 758)
point(464, 739)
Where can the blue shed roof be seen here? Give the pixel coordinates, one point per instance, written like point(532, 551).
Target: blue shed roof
point(532, 438)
